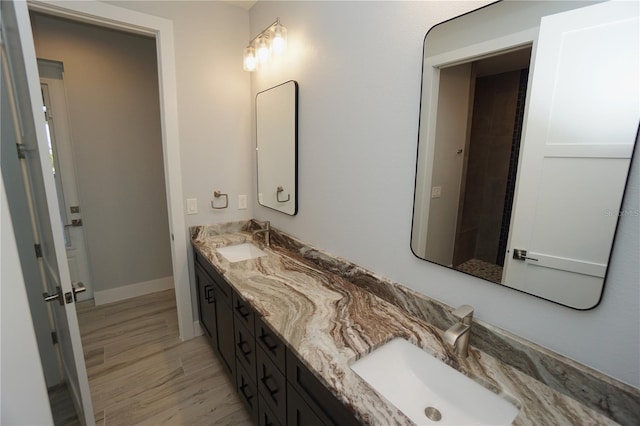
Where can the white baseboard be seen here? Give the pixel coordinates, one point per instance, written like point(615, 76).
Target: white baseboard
point(197, 329)
point(132, 290)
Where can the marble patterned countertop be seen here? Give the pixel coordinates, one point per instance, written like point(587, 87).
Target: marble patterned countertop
point(330, 322)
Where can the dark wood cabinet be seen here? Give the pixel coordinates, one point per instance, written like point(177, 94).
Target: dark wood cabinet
point(226, 338)
point(215, 313)
point(206, 303)
point(298, 411)
point(276, 387)
point(272, 386)
point(321, 401)
point(246, 387)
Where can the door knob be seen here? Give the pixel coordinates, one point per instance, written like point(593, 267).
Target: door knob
point(78, 287)
point(55, 296)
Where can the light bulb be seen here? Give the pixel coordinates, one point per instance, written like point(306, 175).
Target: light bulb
point(264, 50)
point(250, 60)
point(278, 39)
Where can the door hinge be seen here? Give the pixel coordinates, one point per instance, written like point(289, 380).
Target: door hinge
point(54, 337)
point(38, 248)
point(21, 151)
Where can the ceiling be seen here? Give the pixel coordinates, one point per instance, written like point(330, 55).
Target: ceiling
point(245, 4)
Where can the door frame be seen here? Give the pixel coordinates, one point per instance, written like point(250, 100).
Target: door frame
point(105, 15)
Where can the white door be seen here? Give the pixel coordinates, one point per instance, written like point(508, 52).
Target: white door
point(577, 146)
point(60, 142)
point(30, 134)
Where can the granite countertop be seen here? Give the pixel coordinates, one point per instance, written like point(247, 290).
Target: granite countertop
point(330, 323)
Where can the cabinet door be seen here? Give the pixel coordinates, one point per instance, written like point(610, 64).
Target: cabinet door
point(226, 338)
point(206, 303)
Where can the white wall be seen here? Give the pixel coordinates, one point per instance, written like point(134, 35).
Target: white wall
point(213, 101)
point(359, 69)
point(23, 393)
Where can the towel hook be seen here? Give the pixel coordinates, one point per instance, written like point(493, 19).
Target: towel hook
point(218, 194)
point(278, 191)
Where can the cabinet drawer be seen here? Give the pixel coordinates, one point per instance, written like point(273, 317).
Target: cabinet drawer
point(298, 411)
point(245, 348)
point(272, 386)
point(248, 391)
point(320, 399)
point(265, 415)
point(271, 344)
point(243, 312)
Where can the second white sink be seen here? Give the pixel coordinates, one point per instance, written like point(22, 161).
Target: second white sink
point(428, 391)
point(239, 252)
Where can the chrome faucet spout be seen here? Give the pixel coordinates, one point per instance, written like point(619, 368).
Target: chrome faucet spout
point(266, 230)
point(457, 336)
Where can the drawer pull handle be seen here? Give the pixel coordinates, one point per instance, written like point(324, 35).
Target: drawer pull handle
point(272, 391)
point(244, 344)
point(243, 311)
point(209, 294)
point(244, 393)
point(265, 339)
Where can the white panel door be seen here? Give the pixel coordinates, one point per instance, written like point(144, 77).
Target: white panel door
point(59, 139)
point(27, 112)
point(577, 146)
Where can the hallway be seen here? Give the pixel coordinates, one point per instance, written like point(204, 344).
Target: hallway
point(141, 373)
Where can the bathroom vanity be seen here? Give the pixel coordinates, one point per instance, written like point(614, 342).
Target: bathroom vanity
point(289, 321)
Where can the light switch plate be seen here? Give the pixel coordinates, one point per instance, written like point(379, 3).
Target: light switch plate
point(242, 202)
point(436, 192)
point(192, 206)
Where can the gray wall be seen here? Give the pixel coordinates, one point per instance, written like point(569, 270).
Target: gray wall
point(112, 93)
point(359, 69)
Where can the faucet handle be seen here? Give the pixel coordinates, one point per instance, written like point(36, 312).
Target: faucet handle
point(464, 313)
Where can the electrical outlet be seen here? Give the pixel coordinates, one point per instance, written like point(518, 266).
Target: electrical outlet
point(192, 206)
point(436, 192)
point(242, 202)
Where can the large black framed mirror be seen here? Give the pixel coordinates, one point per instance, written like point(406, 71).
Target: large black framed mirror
point(277, 147)
point(528, 122)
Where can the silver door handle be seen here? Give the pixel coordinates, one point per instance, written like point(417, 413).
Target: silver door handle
point(78, 287)
point(55, 296)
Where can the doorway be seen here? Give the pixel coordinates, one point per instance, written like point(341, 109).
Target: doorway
point(100, 89)
point(490, 163)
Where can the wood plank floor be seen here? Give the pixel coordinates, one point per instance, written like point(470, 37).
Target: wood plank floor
point(141, 373)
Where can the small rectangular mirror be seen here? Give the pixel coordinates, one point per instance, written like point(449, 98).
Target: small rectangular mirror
point(277, 147)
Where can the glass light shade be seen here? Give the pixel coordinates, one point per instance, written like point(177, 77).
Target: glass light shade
point(278, 39)
point(264, 49)
point(250, 60)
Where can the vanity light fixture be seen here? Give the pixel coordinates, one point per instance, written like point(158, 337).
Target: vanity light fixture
point(272, 40)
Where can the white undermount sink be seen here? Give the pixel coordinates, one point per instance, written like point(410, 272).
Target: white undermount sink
point(428, 391)
point(239, 252)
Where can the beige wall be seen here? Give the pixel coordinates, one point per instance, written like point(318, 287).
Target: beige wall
point(112, 94)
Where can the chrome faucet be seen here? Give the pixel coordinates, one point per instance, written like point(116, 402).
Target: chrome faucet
point(457, 336)
point(266, 230)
